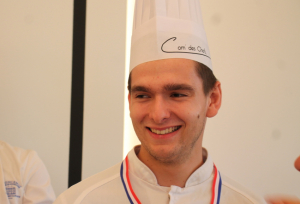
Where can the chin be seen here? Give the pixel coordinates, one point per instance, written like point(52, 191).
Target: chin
point(167, 155)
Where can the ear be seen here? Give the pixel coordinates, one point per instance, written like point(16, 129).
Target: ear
point(215, 100)
point(129, 100)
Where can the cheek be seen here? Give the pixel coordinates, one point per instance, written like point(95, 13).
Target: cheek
point(194, 115)
point(194, 111)
point(132, 114)
point(136, 113)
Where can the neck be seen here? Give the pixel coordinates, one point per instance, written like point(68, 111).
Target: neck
point(175, 173)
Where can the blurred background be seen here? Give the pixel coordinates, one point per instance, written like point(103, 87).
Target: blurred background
point(255, 49)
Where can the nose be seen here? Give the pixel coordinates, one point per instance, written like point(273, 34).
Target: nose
point(159, 111)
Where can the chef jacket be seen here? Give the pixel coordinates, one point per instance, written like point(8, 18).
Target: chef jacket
point(23, 177)
point(106, 187)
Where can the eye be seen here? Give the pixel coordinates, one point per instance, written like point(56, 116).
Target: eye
point(176, 95)
point(142, 96)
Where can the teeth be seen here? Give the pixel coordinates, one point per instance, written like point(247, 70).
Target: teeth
point(165, 131)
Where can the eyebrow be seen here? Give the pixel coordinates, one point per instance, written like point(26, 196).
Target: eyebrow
point(140, 88)
point(167, 87)
point(175, 87)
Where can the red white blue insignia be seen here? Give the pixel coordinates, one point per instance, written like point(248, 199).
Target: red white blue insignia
point(133, 199)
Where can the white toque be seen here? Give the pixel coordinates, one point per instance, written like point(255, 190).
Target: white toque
point(165, 29)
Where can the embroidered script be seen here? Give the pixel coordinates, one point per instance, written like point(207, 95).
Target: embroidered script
point(12, 189)
point(191, 49)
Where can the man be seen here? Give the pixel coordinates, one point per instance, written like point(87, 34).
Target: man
point(172, 91)
point(24, 177)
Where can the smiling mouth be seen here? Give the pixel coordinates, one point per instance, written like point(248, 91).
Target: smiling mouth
point(165, 131)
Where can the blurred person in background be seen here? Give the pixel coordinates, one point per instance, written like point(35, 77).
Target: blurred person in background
point(23, 177)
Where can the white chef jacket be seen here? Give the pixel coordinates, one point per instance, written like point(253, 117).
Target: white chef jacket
point(23, 177)
point(106, 187)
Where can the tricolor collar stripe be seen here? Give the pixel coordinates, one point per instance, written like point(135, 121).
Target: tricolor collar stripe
point(220, 188)
point(127, 184)
point(121, 173)
point(216, 188)
point(133, 199)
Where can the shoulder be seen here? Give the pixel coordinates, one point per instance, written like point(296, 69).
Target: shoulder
point(103, 183)
point(233, 192)
point(19, 158)
point(16, 153)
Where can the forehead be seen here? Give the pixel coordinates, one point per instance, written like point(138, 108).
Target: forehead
point(166, 71)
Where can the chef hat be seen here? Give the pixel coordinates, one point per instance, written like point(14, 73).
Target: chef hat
point(165, 29)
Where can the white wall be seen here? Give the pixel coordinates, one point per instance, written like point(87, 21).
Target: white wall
point(104, 85)
point(35, 80)
point(255, 138)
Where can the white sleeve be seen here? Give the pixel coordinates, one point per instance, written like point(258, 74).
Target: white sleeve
point(36, 180)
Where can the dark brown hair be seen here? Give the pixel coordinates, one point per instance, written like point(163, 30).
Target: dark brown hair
point(208, 78)
point(205, 73)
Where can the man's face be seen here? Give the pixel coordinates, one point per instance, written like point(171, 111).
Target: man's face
point(168, 109)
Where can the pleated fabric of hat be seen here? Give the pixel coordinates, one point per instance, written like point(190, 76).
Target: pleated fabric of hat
point(164, 29)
